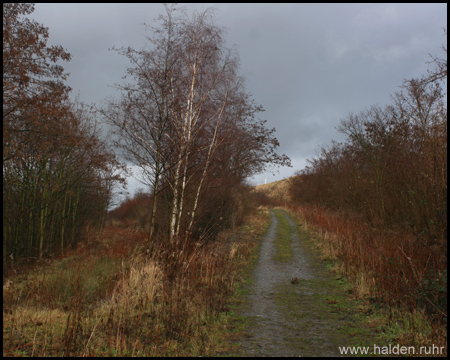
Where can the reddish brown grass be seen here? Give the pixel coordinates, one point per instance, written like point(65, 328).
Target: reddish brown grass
point(397, 264)
point(112, 297)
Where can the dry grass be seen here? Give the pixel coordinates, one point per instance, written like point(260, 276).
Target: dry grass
point(277, 191)
point(401, 279)
point(390, 268)
point(110, 298)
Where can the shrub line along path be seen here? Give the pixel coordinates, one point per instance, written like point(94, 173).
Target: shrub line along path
point(296, 306)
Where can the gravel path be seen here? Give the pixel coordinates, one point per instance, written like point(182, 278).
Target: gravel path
point(311, 317)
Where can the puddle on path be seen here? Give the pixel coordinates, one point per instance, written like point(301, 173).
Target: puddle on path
point(310, 318)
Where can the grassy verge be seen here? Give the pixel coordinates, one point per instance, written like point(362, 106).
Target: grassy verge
point(283, 240)
point(397, 323)
point(232, 326)
point(110, 298)
point(324, 298)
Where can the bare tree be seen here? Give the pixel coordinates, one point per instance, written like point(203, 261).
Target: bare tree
point(141, 117)
point(186, 105)
point(206, 71)
point(54, 163)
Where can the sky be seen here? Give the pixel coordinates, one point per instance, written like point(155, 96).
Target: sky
point(308, 65)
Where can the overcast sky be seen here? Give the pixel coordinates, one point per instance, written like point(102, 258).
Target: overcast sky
point(309, 65)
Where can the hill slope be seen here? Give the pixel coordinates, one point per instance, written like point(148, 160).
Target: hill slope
point(276, 191)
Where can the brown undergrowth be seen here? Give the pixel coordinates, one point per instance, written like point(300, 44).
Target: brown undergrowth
point(403, 280)
point(114, 297)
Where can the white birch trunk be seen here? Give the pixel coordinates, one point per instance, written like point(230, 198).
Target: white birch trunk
point(205, 169)
point(188, 126)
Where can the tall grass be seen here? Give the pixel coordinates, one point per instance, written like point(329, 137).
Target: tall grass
point(111, 297)
point(392, 266)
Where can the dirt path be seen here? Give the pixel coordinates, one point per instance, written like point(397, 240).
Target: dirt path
point(311, 317)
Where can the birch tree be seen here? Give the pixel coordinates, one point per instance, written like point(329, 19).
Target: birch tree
point(206, 71)
point(140, 119)
point(185, 106)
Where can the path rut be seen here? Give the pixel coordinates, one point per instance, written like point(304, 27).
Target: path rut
point(310, 318)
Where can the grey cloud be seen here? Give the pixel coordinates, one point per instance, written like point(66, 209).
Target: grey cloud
point(309, 65)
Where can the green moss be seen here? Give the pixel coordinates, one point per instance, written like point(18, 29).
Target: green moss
point(316, 312)
point(283, 241)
